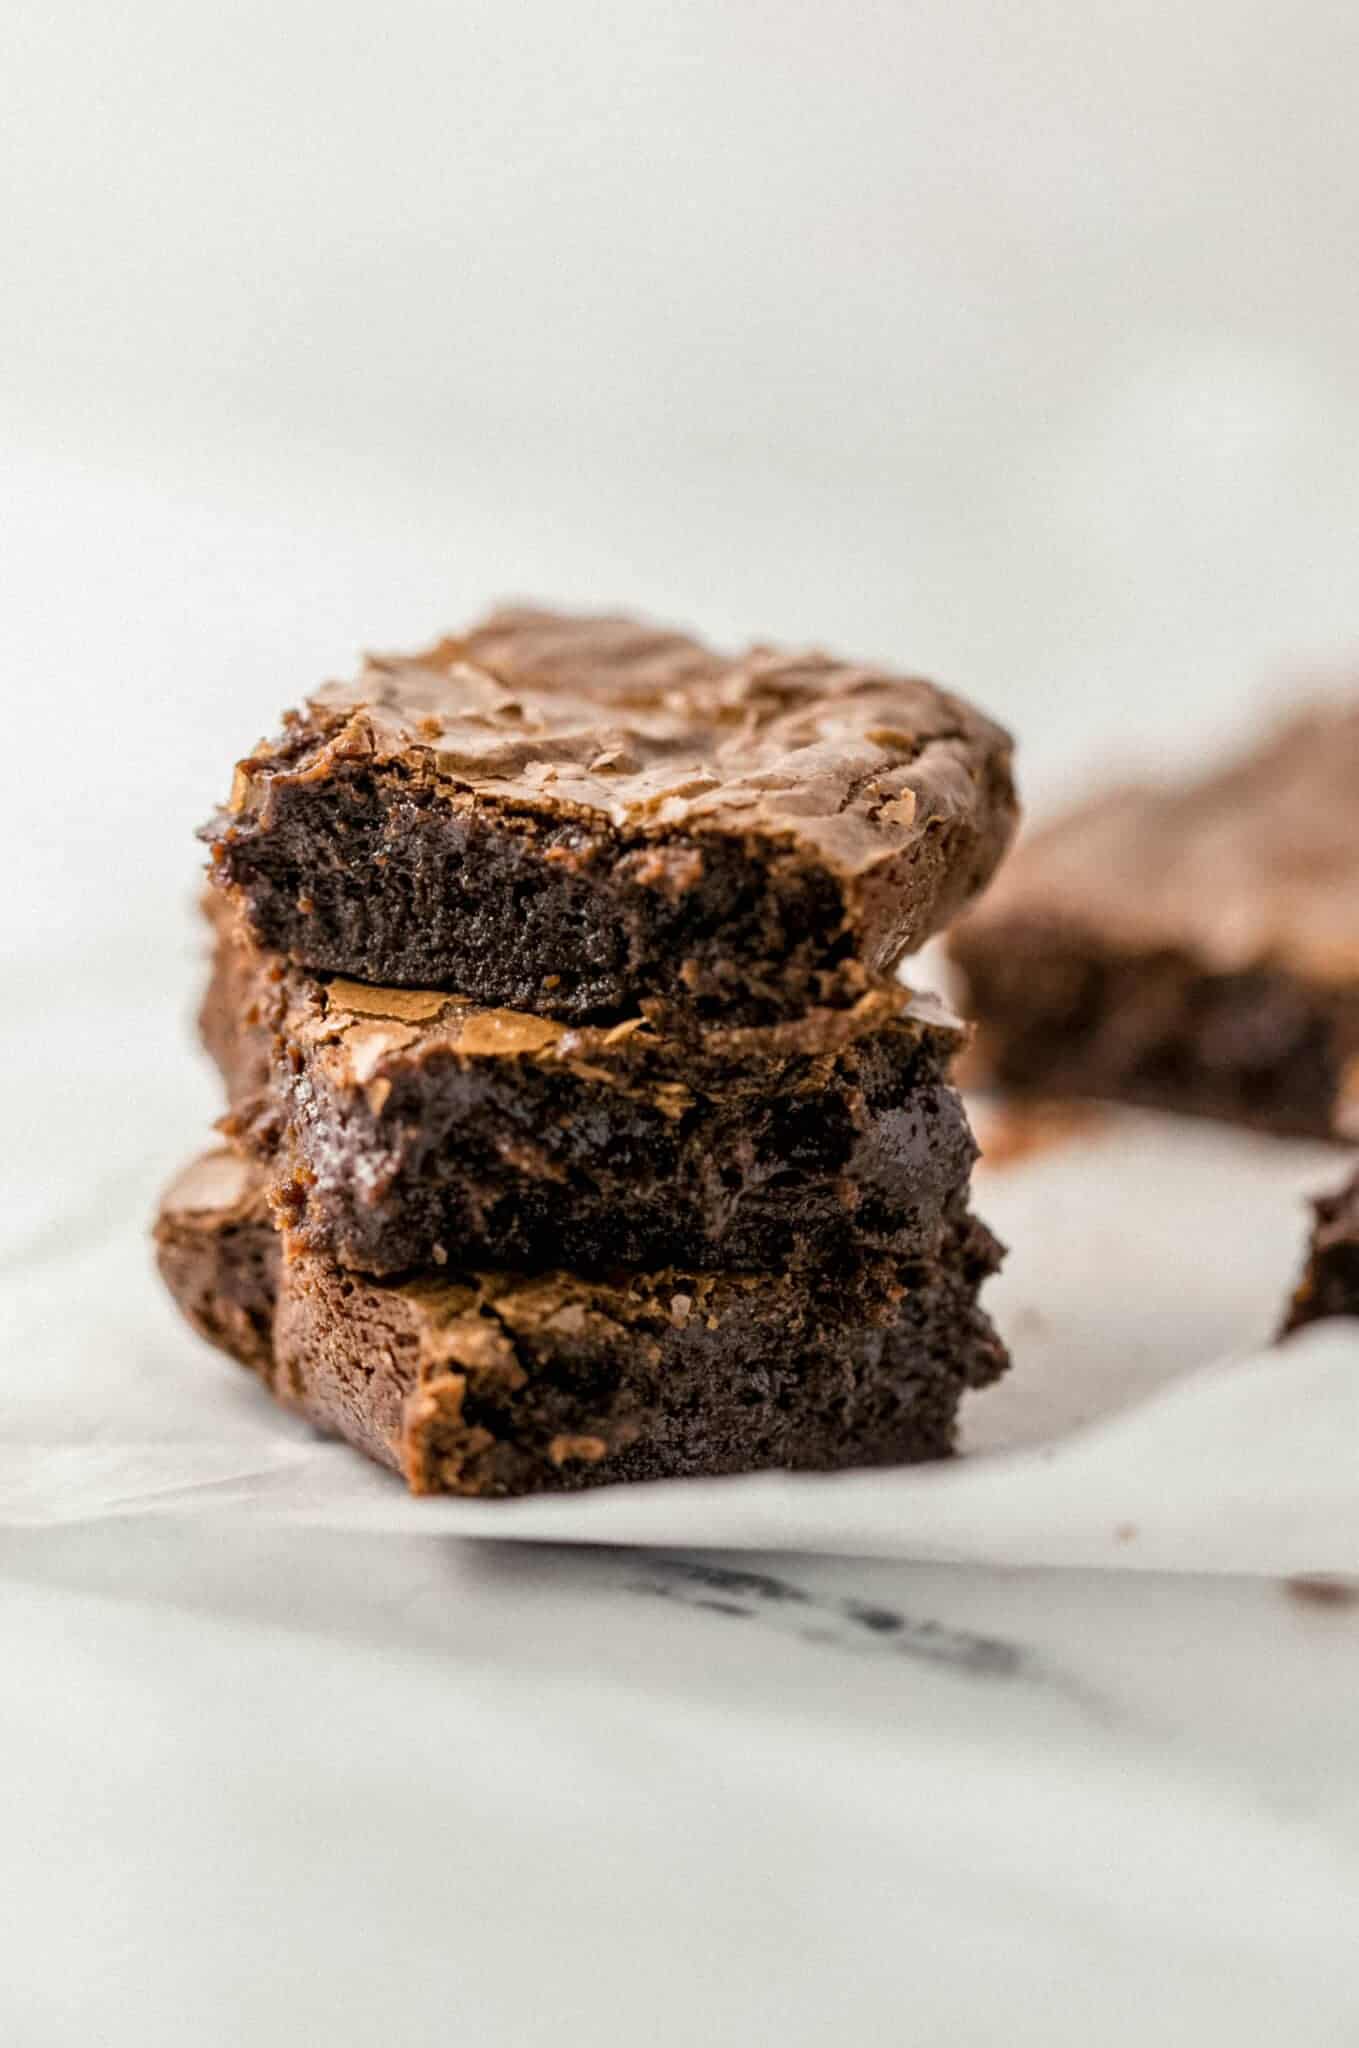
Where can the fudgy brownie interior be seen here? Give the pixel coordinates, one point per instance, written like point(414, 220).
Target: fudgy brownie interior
point(569, 919)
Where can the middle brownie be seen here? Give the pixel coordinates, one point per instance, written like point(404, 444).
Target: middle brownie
point(399, 1126)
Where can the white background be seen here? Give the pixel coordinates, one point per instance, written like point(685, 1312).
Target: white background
point(1017, 342)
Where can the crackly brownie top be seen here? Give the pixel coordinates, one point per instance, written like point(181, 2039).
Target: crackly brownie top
point(1256, 865)
point(653, 731)
point(362, 1034)
point(470, 1319)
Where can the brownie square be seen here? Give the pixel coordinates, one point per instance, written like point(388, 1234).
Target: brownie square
point(398, 1125)
point(577, 817)
point(483, 1383)
point(1193, 947)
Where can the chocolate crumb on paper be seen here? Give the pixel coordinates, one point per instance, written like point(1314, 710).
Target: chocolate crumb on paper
point(1321, 1589)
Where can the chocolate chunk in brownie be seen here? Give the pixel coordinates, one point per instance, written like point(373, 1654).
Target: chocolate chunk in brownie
point(1193, 947)
point(492, 1383)
point(398, 1124)
point(1330, 1282)
point(577, 816)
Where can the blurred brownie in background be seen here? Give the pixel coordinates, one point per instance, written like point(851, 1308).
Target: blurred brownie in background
point(1192, 946)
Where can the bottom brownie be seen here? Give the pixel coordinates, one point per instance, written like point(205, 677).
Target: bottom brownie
point(496, 1383)
point(1330, 1280)
point(220, 1258)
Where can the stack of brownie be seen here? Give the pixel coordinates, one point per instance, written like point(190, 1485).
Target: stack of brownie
point(579, 1130)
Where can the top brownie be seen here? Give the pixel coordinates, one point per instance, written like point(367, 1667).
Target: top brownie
point(577, 816)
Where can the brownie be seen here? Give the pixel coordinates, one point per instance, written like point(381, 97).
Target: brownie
point(1192, 946)
point(397, 1124)
point(575, 817)
point(487, 1383)
point(1330, 1282)
point(220, 1256)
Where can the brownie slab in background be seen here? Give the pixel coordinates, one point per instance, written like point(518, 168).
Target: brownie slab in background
point(1330, 1282)
point(1192, 947)
point(397, 1126)
point(576, 817)
point(494, 1384)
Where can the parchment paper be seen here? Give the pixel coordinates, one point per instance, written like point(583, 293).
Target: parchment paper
point(1148, 1419)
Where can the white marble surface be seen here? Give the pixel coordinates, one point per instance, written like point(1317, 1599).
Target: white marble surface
point(284, 1786)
